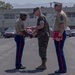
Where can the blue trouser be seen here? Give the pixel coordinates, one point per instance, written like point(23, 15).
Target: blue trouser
point(19, 48)
point(60, 54)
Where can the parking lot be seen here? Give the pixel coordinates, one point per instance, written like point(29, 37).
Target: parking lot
point(31, 57)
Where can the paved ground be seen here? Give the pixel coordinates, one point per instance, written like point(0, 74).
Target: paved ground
point(31, 58)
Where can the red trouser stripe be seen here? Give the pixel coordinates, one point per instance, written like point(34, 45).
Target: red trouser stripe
point(19, 50)
point(61, 57)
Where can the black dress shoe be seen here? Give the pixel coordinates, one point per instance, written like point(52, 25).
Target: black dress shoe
point(59, 71)
point(20, 67)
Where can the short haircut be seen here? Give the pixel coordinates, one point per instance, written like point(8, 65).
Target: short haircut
point(35, 9)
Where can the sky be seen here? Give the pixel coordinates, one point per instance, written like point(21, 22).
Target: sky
point(36, 1)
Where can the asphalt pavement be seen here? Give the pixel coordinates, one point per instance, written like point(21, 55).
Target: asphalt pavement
point(31, 57)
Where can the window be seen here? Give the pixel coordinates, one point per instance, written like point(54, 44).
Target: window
point(50, 15)
point(17, 17)
point(9, 16)
point(31, 15)
point(1, 17)
point(12, 16)
point(6, 16)
point(45, 14)
point(69, 14)
point(73, 14)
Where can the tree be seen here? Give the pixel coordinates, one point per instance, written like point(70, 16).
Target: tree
point(4, 5)
point(8, 6)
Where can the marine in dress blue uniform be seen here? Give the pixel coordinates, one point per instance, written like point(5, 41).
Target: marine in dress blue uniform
point(20, 39)
point(60, 36)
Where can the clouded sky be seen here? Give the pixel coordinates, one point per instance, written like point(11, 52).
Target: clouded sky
point(35, 1)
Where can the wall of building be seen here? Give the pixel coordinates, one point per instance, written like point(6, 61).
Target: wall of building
point(8, 17)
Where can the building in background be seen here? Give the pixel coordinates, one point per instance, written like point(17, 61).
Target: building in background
point(8, 17)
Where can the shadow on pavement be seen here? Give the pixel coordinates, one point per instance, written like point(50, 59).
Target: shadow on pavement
point(22, 71)
point(11, 71)
point(54, 74)
point(31, 71)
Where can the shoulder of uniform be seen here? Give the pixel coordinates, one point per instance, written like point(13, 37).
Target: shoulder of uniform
point(62, 13)
point(17, 20)
point(41, 17)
